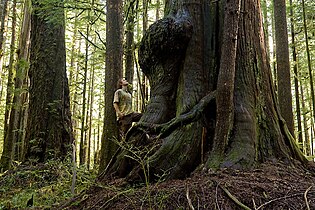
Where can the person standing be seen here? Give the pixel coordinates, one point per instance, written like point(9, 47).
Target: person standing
point(123, 106)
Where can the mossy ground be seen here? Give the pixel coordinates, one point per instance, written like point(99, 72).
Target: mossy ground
point(49, 184)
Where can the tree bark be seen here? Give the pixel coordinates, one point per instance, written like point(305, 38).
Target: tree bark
point(3, 27)
point(182, 56)
point(225, 85)
point(296, 79)
point(129, 66)
point(283, 64)
point(18, 116)
point(9, 143)
point(49, 131)
point(113, 73)
point(309, 63)
point(83, 142)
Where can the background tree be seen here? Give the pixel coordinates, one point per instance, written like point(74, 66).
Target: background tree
point(4, 16)
point(182, 108)
point(7, 154)
point(83, 142)
point(296, 76)
point(130, 45)
point(114, 68)
point(309, 63)
point(283, 64)
point(49, 132)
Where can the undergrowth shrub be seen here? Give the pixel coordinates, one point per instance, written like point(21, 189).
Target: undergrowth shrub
point(48, 183)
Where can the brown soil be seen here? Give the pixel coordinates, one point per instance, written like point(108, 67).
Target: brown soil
point(272, 186)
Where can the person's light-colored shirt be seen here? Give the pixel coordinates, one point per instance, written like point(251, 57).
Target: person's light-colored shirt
point(124, 101)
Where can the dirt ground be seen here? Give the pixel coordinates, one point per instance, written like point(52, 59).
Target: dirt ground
point(271, 186)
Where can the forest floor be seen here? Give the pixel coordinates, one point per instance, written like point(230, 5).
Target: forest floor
point(271, 186)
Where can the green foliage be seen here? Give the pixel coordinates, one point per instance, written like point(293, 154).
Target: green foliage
point(22, 66)
point(49, 183)
point(51, 11)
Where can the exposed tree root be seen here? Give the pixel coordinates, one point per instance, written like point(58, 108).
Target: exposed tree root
point(165, 129)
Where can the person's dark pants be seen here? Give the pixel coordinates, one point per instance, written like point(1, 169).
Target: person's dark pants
point(125, 122)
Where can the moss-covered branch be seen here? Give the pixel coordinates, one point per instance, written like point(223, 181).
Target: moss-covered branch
point(164, 129)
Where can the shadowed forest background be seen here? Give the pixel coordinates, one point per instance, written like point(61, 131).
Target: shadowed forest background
point(60, 62)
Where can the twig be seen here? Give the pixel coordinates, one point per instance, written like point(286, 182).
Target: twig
point(305, 197)
point(114, 197)
point(254, 204)
point(235, 199)
point(216, 197)
point(87, 39)
point(276, 199)
point(74, 169)
point(188, 199)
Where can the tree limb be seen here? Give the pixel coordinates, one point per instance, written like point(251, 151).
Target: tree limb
point(184, 119)
point(189, 117)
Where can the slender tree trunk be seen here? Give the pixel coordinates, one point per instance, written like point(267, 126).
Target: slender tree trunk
point(310, 122)
point(75, 102)
point(73, 64)
point(20, 99)
point(296, 79)
point(283, 64)
point(309, 63)
point(10, 82)
point(72, 70)
point(305, 119)
point(145, 90)
point(9, 143)
point(73, 80)
point(4, 11)
point(273, 63)
point(90, 123)
point(266, 23)
point(114, 68)
point(87, 136)
point(83, 113)
point(3, 27)
point(129, 65)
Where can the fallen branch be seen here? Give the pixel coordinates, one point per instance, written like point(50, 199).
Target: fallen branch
point(188, 199)
point(277, 199)
point(216, 197)
point(305, 197)
point(243, 206)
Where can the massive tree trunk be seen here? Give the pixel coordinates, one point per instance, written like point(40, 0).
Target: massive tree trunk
point(49, 131)
point(182, 56)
